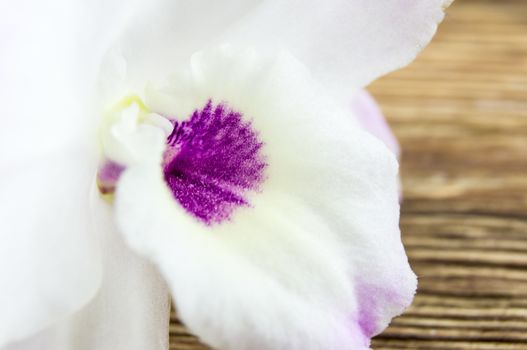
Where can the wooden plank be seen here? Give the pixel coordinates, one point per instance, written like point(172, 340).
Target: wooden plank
point(460, 112)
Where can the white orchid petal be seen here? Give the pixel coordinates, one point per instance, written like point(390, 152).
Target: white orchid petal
point(132, 308)
point(346, 43)
point(51, 52)
point(130, 311)
point(315, 261)
point(49, 257)
point(48, 69)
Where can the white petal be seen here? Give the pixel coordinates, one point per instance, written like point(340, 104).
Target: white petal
point(316, 262)
point(49, 256)
point(51, 53)
point(346, 43)
point(51, 57)
point(130, 311)
point(371, 119)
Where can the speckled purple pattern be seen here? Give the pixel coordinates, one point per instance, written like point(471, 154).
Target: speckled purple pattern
point(212, 160)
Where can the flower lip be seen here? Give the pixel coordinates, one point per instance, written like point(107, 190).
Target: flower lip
point(212, 161)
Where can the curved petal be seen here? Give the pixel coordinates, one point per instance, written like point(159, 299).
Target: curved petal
point(49, 260)
point(48, 72)
point(345, 43)
point(49, 263)
point(372, 120)
point(315, 261)
point(129, 312)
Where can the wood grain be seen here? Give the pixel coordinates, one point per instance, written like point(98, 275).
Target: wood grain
point(460, 113)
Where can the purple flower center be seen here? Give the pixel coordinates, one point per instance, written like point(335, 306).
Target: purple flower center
point(212, 161)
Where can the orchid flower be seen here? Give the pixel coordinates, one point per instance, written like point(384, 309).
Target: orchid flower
point(208, 152)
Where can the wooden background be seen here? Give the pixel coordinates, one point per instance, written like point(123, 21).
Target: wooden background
point(460, 113)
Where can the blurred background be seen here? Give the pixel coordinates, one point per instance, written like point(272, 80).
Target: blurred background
point(460, 113)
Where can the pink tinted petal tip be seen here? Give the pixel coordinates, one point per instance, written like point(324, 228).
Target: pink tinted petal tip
point(372, 120)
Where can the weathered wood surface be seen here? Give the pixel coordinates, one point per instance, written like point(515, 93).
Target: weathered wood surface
point(460, 112)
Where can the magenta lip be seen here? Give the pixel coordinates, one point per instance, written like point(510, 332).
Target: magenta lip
point(213, 159)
